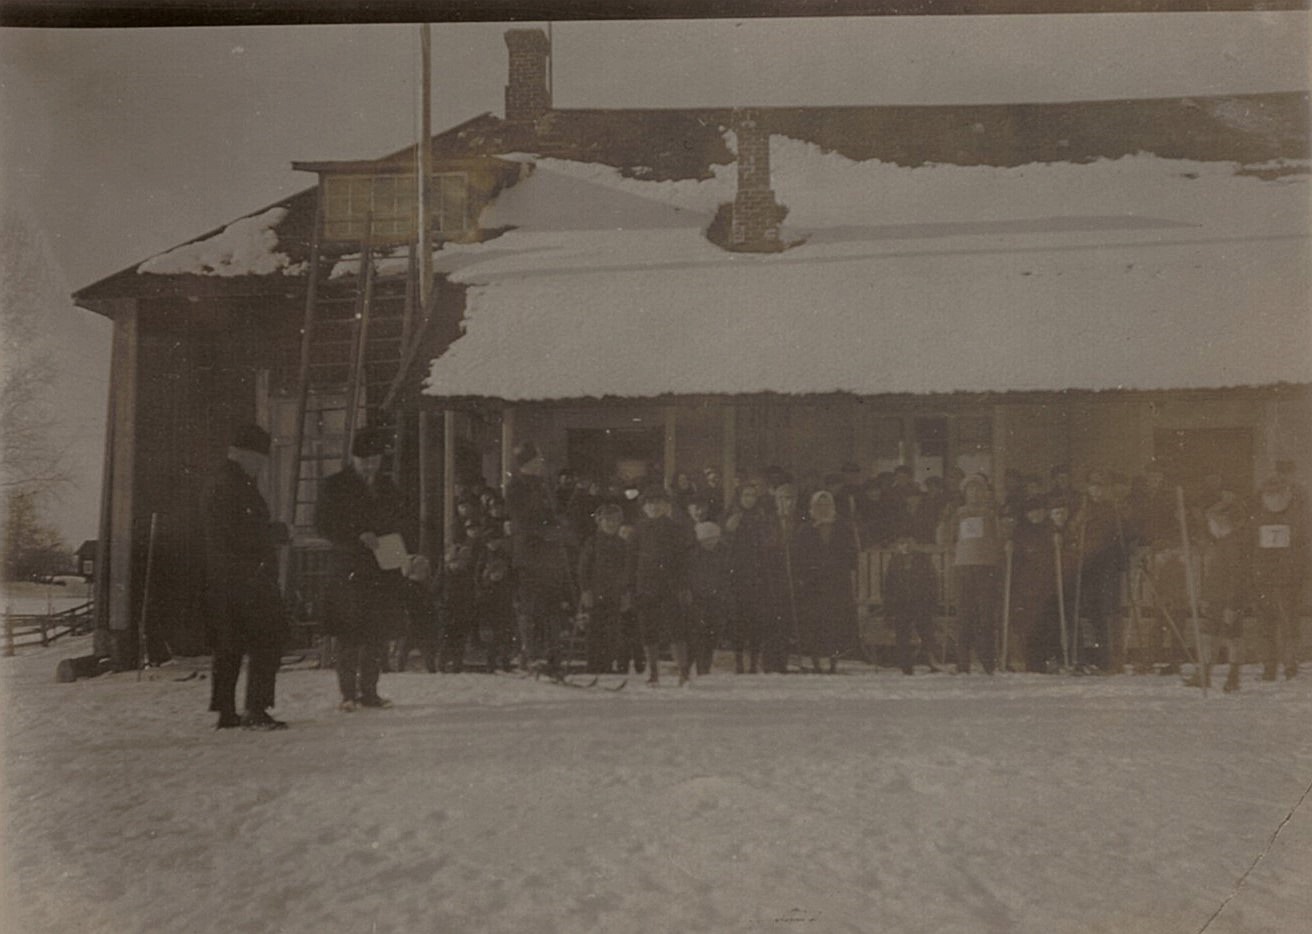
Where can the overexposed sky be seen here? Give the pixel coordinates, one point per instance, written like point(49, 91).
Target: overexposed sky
point(125, 142)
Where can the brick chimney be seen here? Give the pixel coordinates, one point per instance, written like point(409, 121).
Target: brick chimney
point(756, 215)
point(527, 95)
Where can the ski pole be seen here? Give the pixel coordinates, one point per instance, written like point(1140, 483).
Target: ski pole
point(1010, 549)
point(1079, 579)
point(143, 654)
point(1170, 620)
point(1192, 584)
point(1061, 601)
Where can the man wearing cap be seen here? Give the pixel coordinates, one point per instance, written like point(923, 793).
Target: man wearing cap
point(357, 506)
point(242, 584)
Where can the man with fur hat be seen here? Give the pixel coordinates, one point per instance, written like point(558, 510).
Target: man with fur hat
point(357, 506)
point(242, 584)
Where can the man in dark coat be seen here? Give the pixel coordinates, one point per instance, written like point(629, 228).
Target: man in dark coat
point(356, 508)
point(242, 584)
point(541, 560)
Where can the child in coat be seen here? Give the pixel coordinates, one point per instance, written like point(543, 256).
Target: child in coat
point(604, 590)
point(977, 550)
point(658, 572)
point(708, 575)
point(494, 603)
point(457, 602)
point(910, 598)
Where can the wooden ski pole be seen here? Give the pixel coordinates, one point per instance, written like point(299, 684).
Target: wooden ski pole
point(1061, 600)
point(1202, 663)
point(1079, 581)
point(142, 653)
point(1009, 548)
point(1170, 620)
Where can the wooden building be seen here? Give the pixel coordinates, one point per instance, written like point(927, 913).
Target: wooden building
point(997, 288)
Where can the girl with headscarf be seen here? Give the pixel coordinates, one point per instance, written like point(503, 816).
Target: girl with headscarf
point(824, 563)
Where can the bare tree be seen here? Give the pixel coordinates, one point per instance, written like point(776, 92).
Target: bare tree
point(30, 459)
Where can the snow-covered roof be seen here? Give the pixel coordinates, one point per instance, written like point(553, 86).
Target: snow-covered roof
point(246, 247)
point(1140, 272)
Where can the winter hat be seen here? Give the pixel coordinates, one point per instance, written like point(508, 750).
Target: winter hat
point(655, 494)
point(526, 452)
point(252, 438)
point(1275, 484)
point(369, 442)
point(705, 531)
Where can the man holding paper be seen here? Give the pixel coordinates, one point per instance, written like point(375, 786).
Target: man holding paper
point(359, 513)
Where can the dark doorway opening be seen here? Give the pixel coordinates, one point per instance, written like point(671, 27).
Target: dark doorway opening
point(606, 453)
point(1188, 455)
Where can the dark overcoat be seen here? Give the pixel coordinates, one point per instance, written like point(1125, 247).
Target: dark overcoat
point(241, 565)
point(823, 563)
point(363, 600)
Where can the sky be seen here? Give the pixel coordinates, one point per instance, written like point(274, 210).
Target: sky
point(122, 143)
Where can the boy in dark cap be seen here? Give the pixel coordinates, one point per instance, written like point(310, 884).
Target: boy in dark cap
point(711, 596)
point(458, 593)
point(604, 589)
point(658, 575)
point(910, 598)
point(242, 584)
point(494, 602)
point(357, 506)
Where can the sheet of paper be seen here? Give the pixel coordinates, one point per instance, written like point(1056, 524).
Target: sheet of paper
point(391, 552)
point(1273, 536)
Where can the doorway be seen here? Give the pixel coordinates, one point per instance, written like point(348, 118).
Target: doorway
point(1188, 454)
point(603, 454)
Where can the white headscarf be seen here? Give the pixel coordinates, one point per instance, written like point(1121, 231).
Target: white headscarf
point(826, 496)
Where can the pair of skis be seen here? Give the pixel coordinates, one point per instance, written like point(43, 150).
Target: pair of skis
point(563, 679)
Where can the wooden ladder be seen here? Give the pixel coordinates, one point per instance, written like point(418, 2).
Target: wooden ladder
point(352, 342)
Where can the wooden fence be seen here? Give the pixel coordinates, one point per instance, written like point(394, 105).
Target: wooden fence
point(23, 629)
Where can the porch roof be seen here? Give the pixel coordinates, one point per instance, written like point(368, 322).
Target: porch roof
point(1136, 273)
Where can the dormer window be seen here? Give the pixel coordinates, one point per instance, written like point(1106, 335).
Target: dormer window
point(350, 199)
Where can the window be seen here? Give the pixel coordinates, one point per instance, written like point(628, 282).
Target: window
point(349, 200)
point(974, 447)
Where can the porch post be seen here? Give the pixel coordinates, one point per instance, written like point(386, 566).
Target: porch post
point(425, 483)
point(671, 449)
point(448, 477)
point(729, 470)
point(1000, 453)
point(126, 342)
point(507, 447)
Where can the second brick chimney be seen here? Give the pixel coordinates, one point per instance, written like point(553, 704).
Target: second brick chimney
point(527, 94)
point(756, 215)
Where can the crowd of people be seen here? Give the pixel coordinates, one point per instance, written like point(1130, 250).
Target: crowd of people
point(564, 569)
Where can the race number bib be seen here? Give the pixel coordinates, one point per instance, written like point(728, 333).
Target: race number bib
point(971, 528)
point(1273, 536)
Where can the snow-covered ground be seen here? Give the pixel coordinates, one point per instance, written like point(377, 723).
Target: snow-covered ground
point(863, 802)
